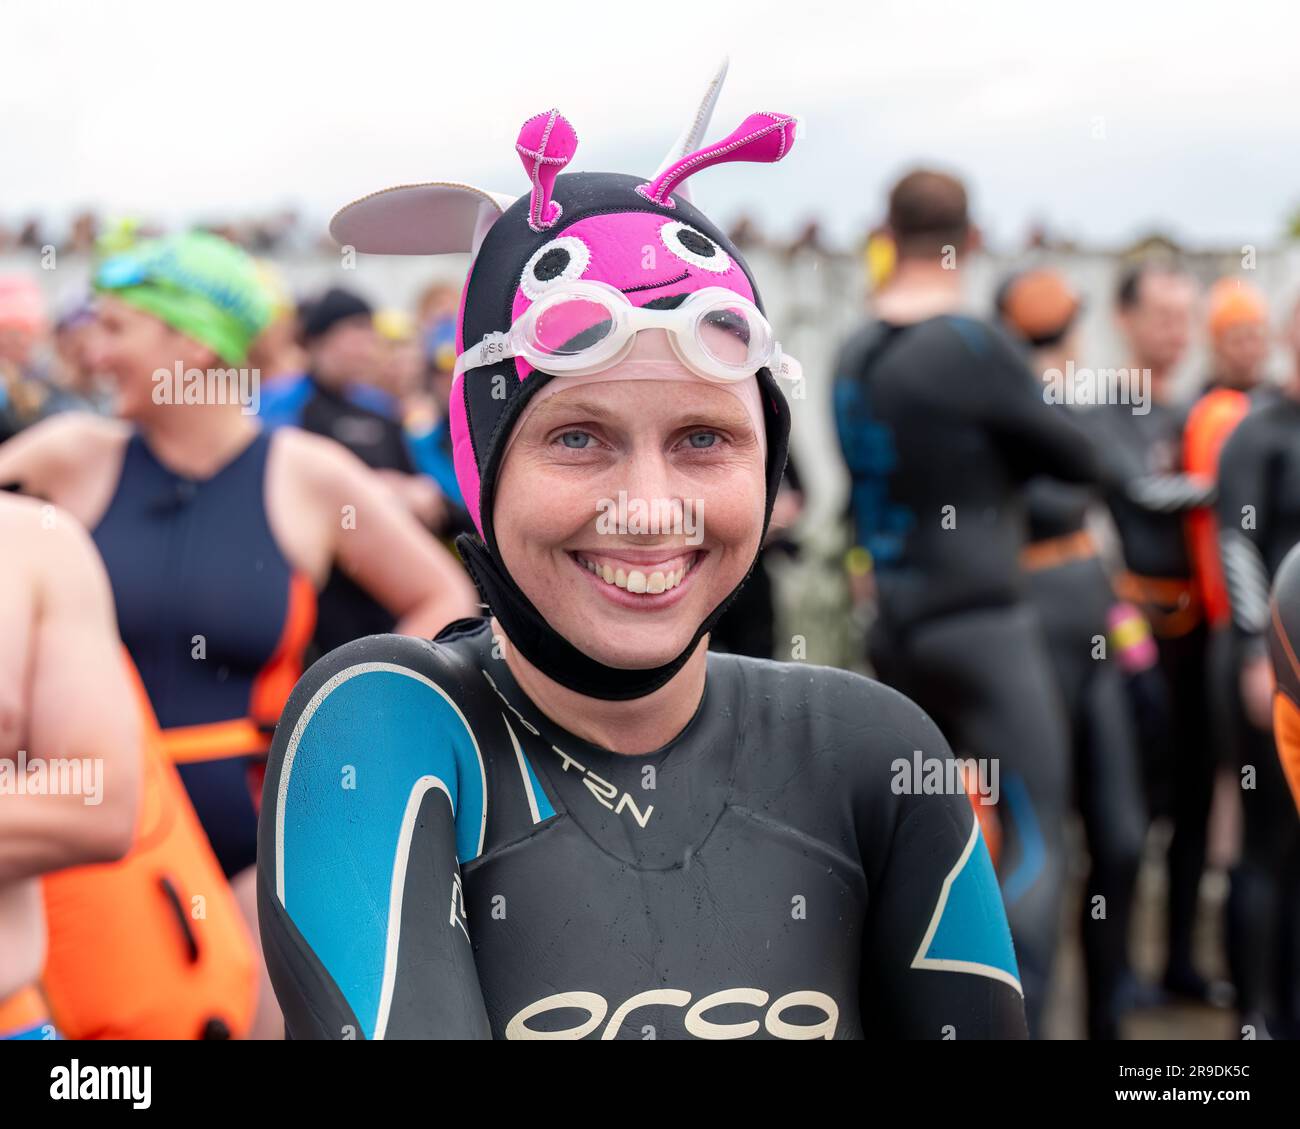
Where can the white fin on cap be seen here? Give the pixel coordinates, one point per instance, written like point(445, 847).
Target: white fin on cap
point(692, 137)
point(439, 218)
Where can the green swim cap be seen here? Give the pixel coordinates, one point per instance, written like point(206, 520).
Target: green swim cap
point(199, 284)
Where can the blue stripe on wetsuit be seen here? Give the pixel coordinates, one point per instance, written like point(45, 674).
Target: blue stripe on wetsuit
point(1033, 851)
point(974, 333)
point(881, 525)
point(968, 935)
point(344, 806)
point(544, 809)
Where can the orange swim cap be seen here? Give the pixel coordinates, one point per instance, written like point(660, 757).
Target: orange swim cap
point(1039, 305)
point(1234, 302)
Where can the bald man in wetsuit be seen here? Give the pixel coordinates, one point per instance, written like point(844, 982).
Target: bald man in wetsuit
point(941, 423)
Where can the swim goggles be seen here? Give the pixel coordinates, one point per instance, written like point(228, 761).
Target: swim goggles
point(586, 327)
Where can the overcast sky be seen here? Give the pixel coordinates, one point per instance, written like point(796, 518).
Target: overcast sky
point(1106, 119)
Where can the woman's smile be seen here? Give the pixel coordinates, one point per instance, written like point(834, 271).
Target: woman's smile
point(645, 579)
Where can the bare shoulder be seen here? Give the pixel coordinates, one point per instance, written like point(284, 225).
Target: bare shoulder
point(315, 461)
point(69, 434)
point(61, 443)
point(309, 454)
point(54, 543)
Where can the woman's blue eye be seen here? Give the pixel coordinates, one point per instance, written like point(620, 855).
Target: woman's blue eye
point(575, 440)
point(702, 440)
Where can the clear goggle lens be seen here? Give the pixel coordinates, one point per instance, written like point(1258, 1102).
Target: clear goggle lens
point(589, 326)
point(727, 338)
point(569, 327)
point(732, 336)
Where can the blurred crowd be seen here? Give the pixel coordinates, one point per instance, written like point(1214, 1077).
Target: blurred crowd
point(1065, 512)
point(87, 232)
point(286, 232)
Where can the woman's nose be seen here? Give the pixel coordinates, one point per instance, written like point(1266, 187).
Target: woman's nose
point(649, 476)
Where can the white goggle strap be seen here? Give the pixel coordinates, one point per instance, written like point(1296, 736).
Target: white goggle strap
point(785, 367)
point(493, 348)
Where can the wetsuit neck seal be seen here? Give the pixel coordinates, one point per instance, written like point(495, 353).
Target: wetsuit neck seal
point(544, 647)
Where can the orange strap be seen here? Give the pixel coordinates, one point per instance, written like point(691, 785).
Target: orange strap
point(1053, 551)
point(1211, 421)
point(241, 736)
point(277, 679)
point(1171, 604)
point(251, 736)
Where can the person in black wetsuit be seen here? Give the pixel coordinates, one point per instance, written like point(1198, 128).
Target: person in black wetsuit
point(1259, 523)
point(723, 902)
point(1154, 304)
point(1071, 591)
point(1237, 319)
point(941, 424)
point(572, 820)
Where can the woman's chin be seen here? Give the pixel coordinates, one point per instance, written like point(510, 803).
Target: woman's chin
point(643, 650)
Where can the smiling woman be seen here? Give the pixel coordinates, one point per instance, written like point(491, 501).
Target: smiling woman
point(595, 269)
point(699, 448)
point(618, 798)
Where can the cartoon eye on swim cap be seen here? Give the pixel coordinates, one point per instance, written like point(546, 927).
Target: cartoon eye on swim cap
point(694, 247)
point(561, 260)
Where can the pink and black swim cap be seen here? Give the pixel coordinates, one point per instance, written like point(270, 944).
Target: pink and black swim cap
point(643, 237)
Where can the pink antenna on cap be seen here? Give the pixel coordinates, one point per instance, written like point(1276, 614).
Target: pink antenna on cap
point(764, 138)
point(546, 144)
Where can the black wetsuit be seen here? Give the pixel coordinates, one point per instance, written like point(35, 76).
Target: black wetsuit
point(1259, 507)
point(769, 873)
point(1073, 599)
point(941, 424)
point(1154, 540)
point(1179, 742)
point(1259, 523)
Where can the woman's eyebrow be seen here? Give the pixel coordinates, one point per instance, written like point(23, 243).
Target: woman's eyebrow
point(586, 409)
point(729, 415)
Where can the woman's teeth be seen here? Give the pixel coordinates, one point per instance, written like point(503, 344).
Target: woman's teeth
point(634, 580)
